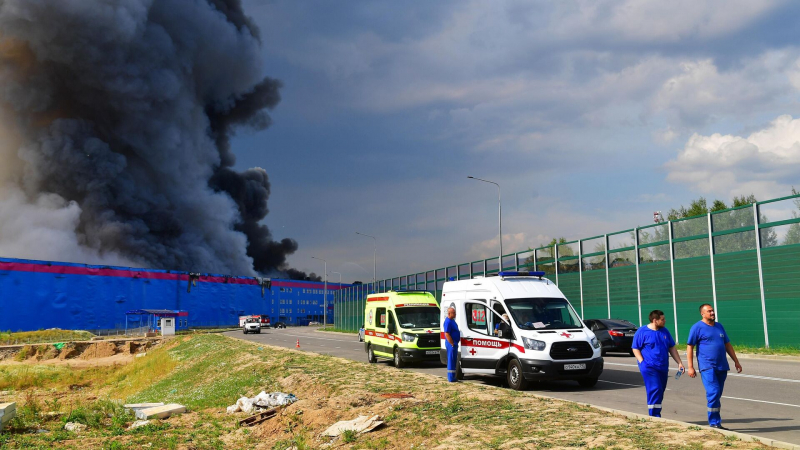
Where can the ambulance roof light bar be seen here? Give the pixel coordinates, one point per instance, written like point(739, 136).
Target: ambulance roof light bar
point(521, 274)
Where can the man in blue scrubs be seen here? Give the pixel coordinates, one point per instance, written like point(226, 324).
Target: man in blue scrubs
point(712, 342)
point(453, 336)
point(652, 346)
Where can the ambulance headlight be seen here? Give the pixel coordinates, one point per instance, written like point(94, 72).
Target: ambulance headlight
point(408, 337)
point(533, 344)
point(595, 343)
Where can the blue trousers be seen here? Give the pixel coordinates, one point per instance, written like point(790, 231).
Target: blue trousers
point(714, 381)
point(655, 382)
point(452, 360)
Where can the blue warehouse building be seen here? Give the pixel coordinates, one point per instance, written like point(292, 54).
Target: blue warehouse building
point(45, 294)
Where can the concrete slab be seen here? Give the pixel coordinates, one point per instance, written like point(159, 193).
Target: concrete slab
point(160, 412)
point(7, 412)
point(138, 406)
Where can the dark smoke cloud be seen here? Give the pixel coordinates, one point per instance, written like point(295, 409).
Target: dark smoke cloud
point(125, 108)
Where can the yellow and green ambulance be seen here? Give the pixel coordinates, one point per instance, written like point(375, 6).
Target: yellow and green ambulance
point(402, 326)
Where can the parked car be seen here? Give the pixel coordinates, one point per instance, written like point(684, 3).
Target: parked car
point(615, 335)
point(280, 325)
point(252, 325)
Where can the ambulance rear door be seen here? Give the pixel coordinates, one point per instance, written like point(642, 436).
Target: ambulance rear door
point(480, 349)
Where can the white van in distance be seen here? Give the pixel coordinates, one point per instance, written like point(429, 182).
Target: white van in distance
point(544, 338)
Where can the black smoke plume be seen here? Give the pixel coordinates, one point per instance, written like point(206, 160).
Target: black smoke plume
point(117, 117)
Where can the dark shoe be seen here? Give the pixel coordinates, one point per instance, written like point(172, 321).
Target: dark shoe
point(720, 427)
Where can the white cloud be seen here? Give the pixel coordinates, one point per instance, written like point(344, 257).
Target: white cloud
point(764, 163)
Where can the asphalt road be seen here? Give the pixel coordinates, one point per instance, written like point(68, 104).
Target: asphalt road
point(764, 400)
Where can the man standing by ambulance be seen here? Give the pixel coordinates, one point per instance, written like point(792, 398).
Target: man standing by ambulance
point(712, 343)
point(453, 336)
point(652, 347)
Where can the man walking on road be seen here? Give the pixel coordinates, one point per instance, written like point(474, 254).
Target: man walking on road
point(453, 336)
point(652, 346)
point(712, 343)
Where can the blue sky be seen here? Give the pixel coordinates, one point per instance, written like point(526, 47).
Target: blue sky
point(591, 115)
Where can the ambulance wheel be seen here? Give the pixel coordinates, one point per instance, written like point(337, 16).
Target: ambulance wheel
point(244, 331)
point(371, 355)
point(587, 382)
point(398, 361)
point(515, 379)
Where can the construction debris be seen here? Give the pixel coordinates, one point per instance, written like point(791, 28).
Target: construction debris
point(138, 423)
point(397, 395)
point(160, 412)
point(361, 424)
point(7, 412)
point(261, 402)
point(74, 427)
point(258, 418)
point(134, 407)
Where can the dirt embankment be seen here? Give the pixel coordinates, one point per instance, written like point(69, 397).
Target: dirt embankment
point(77, 353)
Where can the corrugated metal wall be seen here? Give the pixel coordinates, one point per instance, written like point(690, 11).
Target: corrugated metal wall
point(39, 295)
point(723, 258)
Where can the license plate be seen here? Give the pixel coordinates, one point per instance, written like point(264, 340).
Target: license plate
point(432, 352)
point(574, 366)
point(629, 334)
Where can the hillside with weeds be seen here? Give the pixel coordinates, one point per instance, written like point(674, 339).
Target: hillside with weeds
point(209, 372)
point(43, 336)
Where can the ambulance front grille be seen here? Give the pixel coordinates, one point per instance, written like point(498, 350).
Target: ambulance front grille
point(571, 350)
point(428, 340)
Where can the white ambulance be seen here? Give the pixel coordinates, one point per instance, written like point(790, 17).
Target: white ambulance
point(544, 338)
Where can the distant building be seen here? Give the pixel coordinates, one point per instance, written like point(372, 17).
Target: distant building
point(47, 294)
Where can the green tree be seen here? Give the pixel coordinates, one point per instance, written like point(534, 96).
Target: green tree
point(793, 235)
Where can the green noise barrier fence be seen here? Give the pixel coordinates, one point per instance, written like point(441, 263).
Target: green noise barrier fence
point(739, 260)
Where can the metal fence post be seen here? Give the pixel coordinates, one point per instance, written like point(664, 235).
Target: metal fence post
point(580, 273)
point(638, 285)
point(516, 262)
point(760, 274)
point(711, 255)
point(672, 275)
point(608, 286)
point(555, 260)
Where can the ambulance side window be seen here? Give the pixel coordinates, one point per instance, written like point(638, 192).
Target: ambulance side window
point(476, 318)
point(392, 324)
point(380, 318)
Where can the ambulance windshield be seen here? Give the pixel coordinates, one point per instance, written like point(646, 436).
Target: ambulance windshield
point(418, 317)
point(542, 313)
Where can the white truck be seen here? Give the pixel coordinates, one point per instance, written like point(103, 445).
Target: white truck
point(252, 325)
point(543, 339)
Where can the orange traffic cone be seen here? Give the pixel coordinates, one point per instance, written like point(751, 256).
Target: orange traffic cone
point(298, 343)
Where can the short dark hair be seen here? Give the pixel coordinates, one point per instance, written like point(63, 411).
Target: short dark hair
point(655, 314)
point(704, 305)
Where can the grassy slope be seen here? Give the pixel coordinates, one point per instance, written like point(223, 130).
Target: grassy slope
point(209, 372)
point(43, 336)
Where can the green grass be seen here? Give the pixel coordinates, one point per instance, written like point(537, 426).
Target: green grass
point(338, 330)
point(43, 336)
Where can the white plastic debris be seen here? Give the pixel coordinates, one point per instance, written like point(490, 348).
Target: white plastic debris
point(261, 402)
point(74, 427)
point(360, 424)
point(138, 423)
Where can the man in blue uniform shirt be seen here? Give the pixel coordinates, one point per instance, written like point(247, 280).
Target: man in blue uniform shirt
point(711, 341)
point(452, 336)
point(652, 346)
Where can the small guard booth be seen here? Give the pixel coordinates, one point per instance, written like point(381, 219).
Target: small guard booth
point(154, 320)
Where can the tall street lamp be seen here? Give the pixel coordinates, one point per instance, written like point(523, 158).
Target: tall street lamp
point(374, 253)
point(499, 220)
point(325, 297)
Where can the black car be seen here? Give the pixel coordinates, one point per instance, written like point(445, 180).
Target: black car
point(615, 335)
